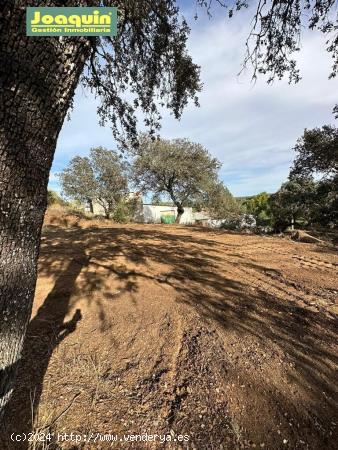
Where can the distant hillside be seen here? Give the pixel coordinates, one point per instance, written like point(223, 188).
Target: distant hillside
point(248, 197)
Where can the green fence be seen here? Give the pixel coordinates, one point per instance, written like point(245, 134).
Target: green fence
point(168, 219)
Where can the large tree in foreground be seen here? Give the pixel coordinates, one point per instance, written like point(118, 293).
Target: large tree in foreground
point(148, 59)
point(38, 78)
point(179, 169)
point(101, 177)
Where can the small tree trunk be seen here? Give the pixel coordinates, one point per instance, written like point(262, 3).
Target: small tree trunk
point(38, 77)
point(90, 204)
point(180, 212)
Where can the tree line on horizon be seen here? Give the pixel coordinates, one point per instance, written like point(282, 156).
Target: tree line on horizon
point(179, 171)
point(185, 174)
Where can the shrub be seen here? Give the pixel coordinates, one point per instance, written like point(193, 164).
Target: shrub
point(125, 210)
point(53, 198)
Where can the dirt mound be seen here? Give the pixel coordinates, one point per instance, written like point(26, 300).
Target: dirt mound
point(60, 216)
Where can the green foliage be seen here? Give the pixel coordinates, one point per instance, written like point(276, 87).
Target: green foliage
point(219, 202)
point(148, 59)
point(317, 155)
point(317, 152)
point(259, 207)
point(305, 202)
point(293, 202)
point(125, 209)
point(78, 179)
point(302, 199)
point(121, 213)
point(53, 198)
point(101, 177)
point(325, 206)
point(179, 169)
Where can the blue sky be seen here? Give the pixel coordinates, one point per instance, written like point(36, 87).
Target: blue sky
point(250, 128)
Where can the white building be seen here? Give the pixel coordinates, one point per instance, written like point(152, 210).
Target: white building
point(147, 213)
point(152, 214)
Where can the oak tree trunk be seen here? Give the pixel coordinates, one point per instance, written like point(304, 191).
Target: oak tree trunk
point(90, 204)
point(180, 212)
point(38, 76)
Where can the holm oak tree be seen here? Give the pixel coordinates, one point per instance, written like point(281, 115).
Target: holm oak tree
point(101, 177)
point(179, 169)
point(146, 60)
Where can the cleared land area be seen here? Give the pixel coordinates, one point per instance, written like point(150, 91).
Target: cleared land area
point(230, 339)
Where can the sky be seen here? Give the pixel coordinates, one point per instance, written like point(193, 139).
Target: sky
point(250, 127)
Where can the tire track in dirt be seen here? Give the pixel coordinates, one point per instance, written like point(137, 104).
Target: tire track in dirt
point(199, 406)
point(286, 286)
point(193, 332)
point(315, 263)
point(296, 305)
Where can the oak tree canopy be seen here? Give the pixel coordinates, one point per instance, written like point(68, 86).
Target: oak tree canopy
point(180, 169)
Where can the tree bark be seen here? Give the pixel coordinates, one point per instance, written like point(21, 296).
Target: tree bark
point(38, 76)
point(91, 207)
point(180, 212)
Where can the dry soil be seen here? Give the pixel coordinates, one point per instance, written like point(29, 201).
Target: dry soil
point(228, 339)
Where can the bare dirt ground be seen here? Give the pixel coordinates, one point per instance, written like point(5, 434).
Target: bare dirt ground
point(227, 338)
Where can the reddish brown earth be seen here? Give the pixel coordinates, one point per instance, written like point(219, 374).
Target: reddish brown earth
point(227, 338)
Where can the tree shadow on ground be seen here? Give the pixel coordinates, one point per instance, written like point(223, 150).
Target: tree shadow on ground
point(45, 332)
point(198, 275)
point(307, 336)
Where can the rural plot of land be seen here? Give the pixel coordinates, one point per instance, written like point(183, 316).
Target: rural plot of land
point(227, 338)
